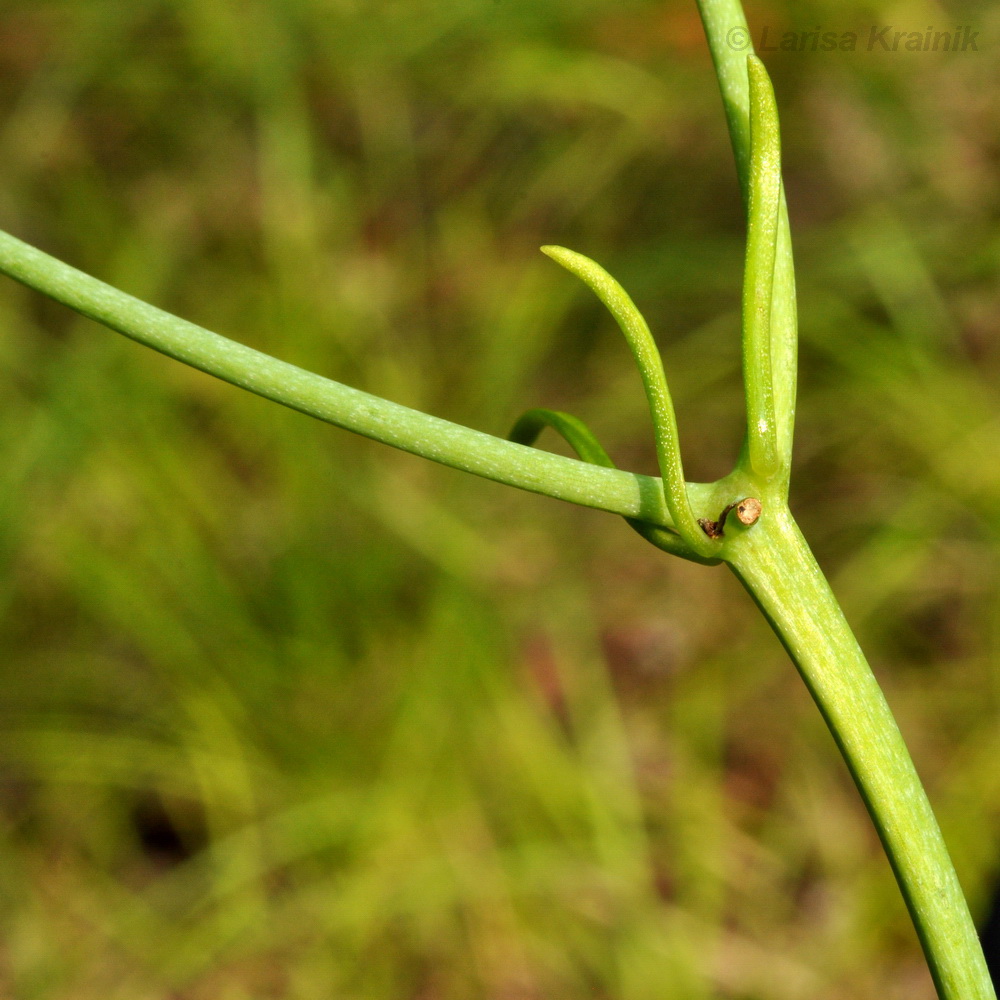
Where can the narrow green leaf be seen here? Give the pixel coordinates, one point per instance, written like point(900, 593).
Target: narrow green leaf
point(576, 433)
point(647, 357)
point(730, 40)
point(582, 440)
point(758, 281)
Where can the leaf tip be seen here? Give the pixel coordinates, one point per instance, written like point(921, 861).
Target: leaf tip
point(761, 89)
point(560, 254)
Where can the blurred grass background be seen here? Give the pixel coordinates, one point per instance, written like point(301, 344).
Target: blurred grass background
point(286, 714)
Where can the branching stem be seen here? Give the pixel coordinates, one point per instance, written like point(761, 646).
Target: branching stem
point(768, 555)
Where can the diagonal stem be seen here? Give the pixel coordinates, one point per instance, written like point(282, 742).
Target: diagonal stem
point(625, 493)
point(775, 565)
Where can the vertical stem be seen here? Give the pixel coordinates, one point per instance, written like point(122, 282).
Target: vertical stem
point(775, 565)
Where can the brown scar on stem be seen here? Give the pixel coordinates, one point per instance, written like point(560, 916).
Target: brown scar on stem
point(747, 512)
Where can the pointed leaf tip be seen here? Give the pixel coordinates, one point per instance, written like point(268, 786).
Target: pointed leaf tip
point(569, 259)
point(762, 99)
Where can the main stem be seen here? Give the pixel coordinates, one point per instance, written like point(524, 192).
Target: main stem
point(779, 571)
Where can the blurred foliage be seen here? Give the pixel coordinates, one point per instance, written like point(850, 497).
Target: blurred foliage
point(287, 714)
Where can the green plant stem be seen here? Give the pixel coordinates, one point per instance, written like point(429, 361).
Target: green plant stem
point(770, 558)
point(775, 565)
point(618, 492)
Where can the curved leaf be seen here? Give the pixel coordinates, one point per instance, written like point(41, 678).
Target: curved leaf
point(661, 407)
point(582, 440)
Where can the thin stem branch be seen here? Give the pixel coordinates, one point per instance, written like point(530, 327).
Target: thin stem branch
point(625, 493)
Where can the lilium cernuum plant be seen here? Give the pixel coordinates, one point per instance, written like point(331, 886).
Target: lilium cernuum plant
point(742, 520)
